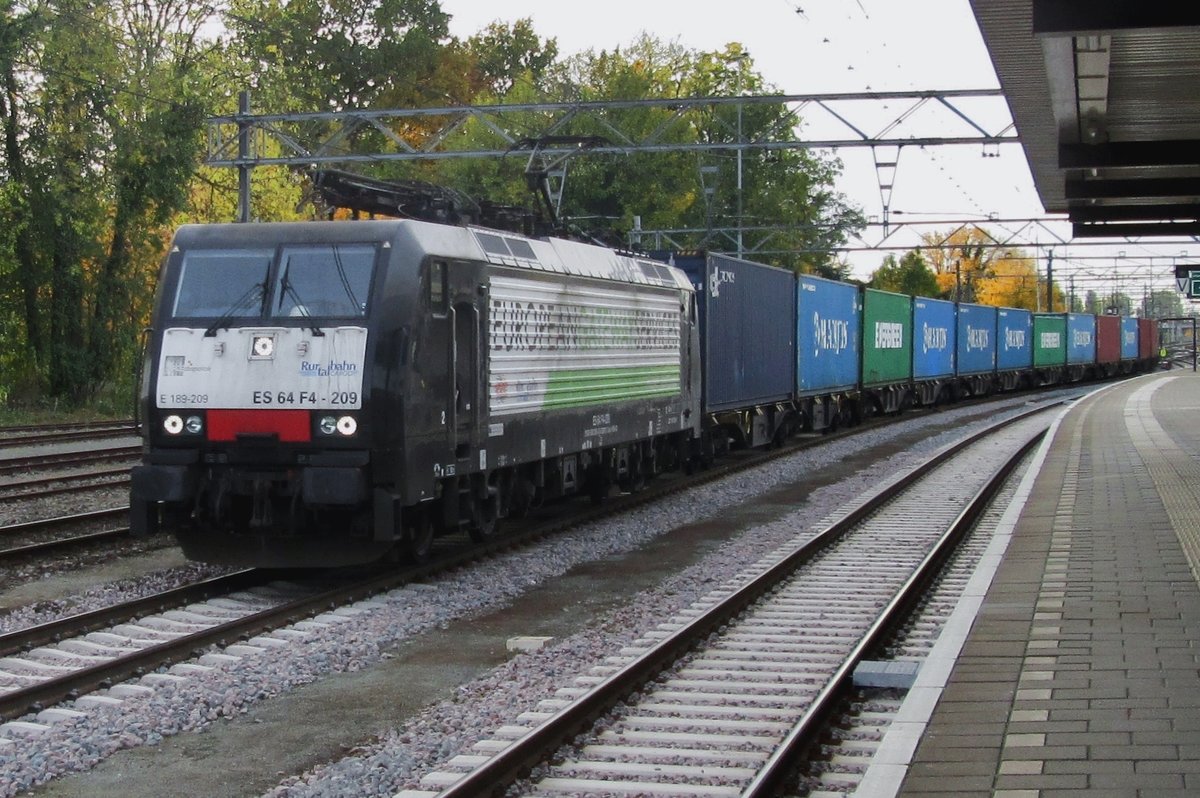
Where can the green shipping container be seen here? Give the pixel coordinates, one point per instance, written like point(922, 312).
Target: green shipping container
point(886, 338)
point(1049, 339)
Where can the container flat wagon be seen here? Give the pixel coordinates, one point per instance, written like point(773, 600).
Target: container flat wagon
point(976, 348)
point(887, 349)
point(1014, 347)
point(1081, 346)
point(1147, 342)
point(747, 317)
point(1129, 344)
point(1049, 347)
point(1108, 345)
point(828, 350)
point(934, 328)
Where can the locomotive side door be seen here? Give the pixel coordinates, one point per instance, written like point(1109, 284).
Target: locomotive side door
point(467, 400)
point(466, 370)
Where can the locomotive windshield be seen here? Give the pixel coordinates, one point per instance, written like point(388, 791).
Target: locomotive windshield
point(325, 281)
point(226, 282)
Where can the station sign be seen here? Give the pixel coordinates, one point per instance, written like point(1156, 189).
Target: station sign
point(1187, 280)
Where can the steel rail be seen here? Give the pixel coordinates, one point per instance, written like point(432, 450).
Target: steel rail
point(44, 693)
point(17, 429)
point(61, 437)
point(21, 464)
point(81, 623)
point(505, 767)
point(42, 524)
point(45, 547)
point(34, 488)
point(786, 759)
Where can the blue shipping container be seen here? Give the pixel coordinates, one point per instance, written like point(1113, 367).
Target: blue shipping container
point(829, 317)
point(1014, 339)
point(1129, 338)
point(747, 317)
point(1081, 338)
point(933, 338)
point(976, 339)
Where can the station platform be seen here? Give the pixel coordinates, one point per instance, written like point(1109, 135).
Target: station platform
point(1072, 666)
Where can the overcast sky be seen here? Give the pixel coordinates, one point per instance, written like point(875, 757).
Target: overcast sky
point(819, 46)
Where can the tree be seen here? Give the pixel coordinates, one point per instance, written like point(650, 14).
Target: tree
point(96, 158)
point(971, 266)
point(504, 54)
point(1161, 305)
point(911, 275)
point(327, 55)
point(1013, 282)
point(789, 188)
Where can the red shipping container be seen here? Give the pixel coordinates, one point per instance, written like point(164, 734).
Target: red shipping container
point(1108, 339)
point(1147, 339)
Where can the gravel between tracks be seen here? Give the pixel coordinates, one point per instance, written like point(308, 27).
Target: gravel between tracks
point(403, 755)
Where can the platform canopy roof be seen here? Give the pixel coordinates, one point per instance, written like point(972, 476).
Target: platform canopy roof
point(1106, 99)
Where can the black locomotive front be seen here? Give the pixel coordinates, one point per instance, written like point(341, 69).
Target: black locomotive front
point(255, 396)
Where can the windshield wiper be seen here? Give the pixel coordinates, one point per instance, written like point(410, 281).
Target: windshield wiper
point(255, 291)
point(341, 270)
point(289, 291)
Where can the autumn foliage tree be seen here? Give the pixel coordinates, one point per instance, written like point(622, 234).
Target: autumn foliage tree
point(102, 113)
point(911, 275)
point(972, 266)
point(101, 117)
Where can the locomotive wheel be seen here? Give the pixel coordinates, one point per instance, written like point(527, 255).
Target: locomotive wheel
point(486, 519)
point(634, 482)
point(418, 538)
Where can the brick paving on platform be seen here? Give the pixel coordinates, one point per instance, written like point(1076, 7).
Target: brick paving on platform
point(1081, 672)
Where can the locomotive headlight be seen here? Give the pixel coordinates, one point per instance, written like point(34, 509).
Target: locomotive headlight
point(173, 425)
point(263, 346)
point(194, 425)
point(345, 425)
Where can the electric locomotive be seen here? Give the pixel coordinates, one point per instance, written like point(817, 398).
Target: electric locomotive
point(330, 393)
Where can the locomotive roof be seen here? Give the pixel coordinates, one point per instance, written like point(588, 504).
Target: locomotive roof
point(552, 255)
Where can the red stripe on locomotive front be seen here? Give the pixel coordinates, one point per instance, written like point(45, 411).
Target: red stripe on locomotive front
point(292, 426)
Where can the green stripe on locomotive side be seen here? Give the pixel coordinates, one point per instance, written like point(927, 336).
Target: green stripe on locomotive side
point(584, 387)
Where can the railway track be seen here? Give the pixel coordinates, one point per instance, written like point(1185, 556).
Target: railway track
point(858, 731)
point(87, 658)
point(26, 539)
point(37, 487)
point(22, 465)
point(226, 649)
point(726, 699)
point(36, 435)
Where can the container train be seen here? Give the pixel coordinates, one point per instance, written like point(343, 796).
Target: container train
point(334, 393)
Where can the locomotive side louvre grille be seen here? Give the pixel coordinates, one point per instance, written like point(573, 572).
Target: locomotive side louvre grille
point(560, 344)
